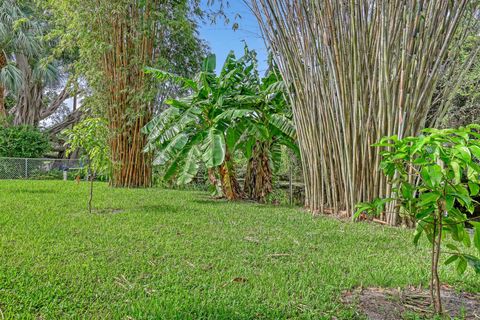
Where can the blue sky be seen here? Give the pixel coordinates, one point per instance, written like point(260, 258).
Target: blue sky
point(222, 38)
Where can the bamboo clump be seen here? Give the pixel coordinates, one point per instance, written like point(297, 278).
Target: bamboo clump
point(359, 70)
point(128, 109)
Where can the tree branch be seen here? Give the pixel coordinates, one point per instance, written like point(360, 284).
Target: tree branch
point(72, 118)
point(55, 104)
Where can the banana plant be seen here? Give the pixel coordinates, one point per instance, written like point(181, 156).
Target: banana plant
point(233, 111)
point(198, 128)
point(268, 129)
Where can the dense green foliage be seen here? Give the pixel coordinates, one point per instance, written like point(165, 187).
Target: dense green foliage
point(29, 69)
point(128, 35)
point(23, 142)
point(162, 254)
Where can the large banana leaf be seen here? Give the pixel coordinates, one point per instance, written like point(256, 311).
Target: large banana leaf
point(289, 143)
point(284, 125)
point(210, 63)
point(182, 157)
point(276, 87)
point(183, 122)
point(182, 103)
point(190, 166)
point(171, 149)
point(214, 148)
point(233, 114)
point(159, 123)
point(276, 156)
point(229, 65)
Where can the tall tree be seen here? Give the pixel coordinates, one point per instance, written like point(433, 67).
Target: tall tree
point(360, 70)
point(117, 39)
point(27, 67)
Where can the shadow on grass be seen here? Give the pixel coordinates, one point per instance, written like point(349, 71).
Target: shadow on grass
point(210, 201)
point(159, 208)
point(34, 191)
point(219, 202)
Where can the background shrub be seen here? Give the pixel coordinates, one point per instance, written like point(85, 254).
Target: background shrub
point(23, 142)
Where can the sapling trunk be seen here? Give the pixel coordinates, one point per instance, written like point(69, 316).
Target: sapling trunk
point(92, 177)
point(435, 288)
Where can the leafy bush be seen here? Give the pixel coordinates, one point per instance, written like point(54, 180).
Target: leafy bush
point(23, 142)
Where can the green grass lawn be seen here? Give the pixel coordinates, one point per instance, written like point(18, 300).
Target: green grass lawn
point(164, 254)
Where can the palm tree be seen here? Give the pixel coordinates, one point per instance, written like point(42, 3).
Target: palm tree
point(37, 74)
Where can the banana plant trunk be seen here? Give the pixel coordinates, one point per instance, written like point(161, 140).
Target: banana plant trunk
point(258, 180)
point(230, 186)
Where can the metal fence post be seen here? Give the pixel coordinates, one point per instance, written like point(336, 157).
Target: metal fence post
point(26, 168)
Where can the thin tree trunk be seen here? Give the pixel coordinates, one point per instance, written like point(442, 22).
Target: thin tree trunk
point(435, 284)
point(92, 178)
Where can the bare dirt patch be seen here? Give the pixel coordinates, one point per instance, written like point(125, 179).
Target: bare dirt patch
point(383, 304)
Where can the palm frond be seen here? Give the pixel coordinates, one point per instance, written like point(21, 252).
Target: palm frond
point(45, 72)
point(11, 77)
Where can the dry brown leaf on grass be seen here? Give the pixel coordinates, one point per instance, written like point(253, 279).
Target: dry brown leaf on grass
point(235, 280)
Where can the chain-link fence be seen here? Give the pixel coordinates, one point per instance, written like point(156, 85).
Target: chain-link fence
point(39, 169)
